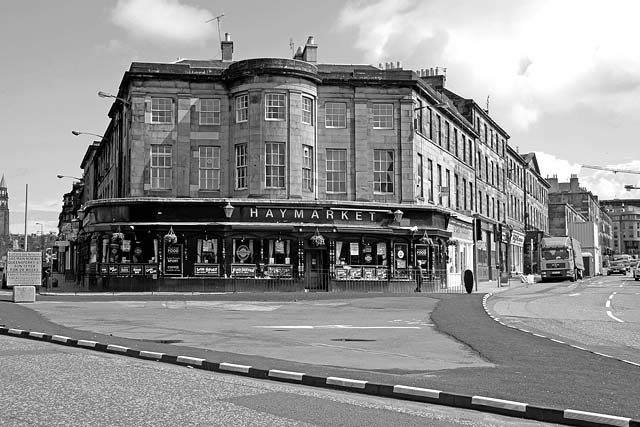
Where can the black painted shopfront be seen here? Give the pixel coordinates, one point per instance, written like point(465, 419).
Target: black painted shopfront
point(305, 245)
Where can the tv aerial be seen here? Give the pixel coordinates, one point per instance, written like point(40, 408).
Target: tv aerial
point(217, 18)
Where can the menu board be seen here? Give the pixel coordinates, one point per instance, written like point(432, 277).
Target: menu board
point(173, 259)
point(369, 273)
point(382, 273)
point(104, 269)
point(113, 269)
point(124, 270)
point(340, 273)
point(150, 269)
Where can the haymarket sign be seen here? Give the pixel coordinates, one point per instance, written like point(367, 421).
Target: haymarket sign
point(318, 215)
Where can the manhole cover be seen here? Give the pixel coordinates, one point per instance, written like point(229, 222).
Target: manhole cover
point(351, 339)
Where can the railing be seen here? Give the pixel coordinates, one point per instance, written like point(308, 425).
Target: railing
point(407, 281)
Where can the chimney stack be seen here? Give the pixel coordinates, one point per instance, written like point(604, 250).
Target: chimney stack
point(298, 54)
point(227, 47)
point(310, 52)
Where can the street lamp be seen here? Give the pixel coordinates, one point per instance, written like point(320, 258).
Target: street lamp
point(41, 235)
point(102, 94)
point(76, 133)
point(72, 177)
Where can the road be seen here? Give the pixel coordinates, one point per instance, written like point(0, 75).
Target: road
point(601, 315)
point(45, 384)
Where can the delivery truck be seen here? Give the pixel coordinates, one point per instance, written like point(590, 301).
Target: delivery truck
point(560, 259)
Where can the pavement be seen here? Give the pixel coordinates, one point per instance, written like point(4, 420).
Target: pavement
point(521, 378)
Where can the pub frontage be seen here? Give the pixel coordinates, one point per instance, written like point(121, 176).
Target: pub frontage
point(173, 244)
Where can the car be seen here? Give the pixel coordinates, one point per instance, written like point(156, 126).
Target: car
point(617, 267)
point(635, 271)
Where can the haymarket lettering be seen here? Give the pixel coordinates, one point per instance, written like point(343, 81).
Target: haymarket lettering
point(289, 214)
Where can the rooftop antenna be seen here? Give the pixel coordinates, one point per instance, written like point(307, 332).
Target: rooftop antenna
point(292, 46)
point(217, 18)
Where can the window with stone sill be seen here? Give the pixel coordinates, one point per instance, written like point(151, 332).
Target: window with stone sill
point(161, 110)
point(242, 108)
point(209, 111)
point(382, 116)
point(275, 106)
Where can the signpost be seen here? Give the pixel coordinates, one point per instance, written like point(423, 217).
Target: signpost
point(24, 273)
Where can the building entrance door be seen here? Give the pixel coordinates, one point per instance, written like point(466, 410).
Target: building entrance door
point(317, 273)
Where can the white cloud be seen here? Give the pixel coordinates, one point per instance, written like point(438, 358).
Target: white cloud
point(604, 184)
point(163, 20)
point(542, 56)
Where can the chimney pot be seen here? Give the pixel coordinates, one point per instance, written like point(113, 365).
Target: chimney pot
point(227, 37)
point(310, 40)
point(398, 64)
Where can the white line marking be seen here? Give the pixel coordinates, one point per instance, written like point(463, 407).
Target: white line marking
point(558, 341)
point(608, 304)
point(614, 317)
point(541, 336)
point(574, 295)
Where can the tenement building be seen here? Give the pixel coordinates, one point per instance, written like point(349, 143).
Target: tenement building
point(212, 171)
point(625, 220)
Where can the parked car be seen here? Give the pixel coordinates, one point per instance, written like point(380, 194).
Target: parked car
point(635, 270)
point(617, 267)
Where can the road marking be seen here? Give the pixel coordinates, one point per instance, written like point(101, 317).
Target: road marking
point(336, 327)
point(574, 295)
point(614, 317)
point(608, 304)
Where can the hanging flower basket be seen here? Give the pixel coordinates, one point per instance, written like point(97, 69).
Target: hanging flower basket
point(170, 237)
point(317, 239)
point(117, 237)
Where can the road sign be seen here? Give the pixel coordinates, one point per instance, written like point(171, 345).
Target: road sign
point(24, 268)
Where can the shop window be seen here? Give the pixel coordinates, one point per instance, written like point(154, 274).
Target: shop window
point(243, 251)
point(207, 251)
point(277, 251)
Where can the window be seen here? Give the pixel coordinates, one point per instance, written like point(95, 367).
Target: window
point(383, 171)
point(241, 166)
point(161, 166)
point(479, 201)
point(448, 176)
point(487, 198)
point(307, 110)
point(430, 118)
point(336, 171)
point(274, 165)
point(471, 196)
point(486, 169)
point(464, 194)
point(464, 149)
point(419, 116)
point(209, 168)
point(439, 129)
point(457, 190)
point(383, 116)
point(439, 185)
point(242, 108)
point(447, 135)
point(275, 106)
point(430, 171)
point(420, 177)
point(335, 115)
point(209, 111)
point(307, 168)
point(161, 110)
point(455, 142)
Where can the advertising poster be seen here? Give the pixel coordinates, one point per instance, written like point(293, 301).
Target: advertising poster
point(173, 259)
point(24, 269)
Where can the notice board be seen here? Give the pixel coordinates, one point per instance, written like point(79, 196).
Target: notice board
point(24, 268)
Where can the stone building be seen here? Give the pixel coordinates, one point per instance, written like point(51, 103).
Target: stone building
point(320, 174)
point(625, 220)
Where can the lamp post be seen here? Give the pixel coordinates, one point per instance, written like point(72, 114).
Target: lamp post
point(41, 235)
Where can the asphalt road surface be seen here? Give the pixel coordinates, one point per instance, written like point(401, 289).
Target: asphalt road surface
point(49, 385)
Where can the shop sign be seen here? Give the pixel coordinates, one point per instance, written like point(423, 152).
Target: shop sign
point(243, 252)
point(517, 239)
point(207, 269)
point(173, 259)
point(368, 258)
point(137, 269)
point(150, 269)
point(279, 271)
point(104, 269)
point(243, 270)
point(400, 252)
point(354, 248)
point(124, 270)
point(319, 215)
point(113, 269)
point(460, 230)
point(422, 254)
point(369, 273)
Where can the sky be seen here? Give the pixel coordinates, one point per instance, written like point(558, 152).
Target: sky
point(562, 77)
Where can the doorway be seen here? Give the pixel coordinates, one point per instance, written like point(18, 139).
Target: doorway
point(317, 273)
